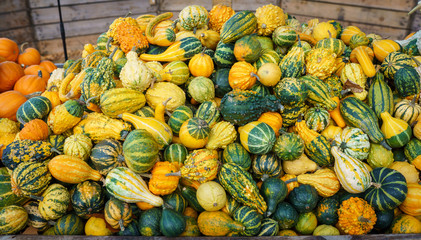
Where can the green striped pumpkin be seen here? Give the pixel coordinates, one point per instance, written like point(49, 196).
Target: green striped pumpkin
point(260, 89)
point(220, 80)
point(407, 81)
point(397, 132)
point(57, 142)
point(268, 56)
point(317, 118)
point(145, 111)
point(284, 36)
point(318, 92)
point(395, 61)
point(70, 224)
point(248, 49)
point(333, 44)
point(290, 91)
point(87, 198)
point(117, 213)
point(292, 65)
point(140, 150)
point(266, 166)
point(155, 49)
point(209, 112)
point(193, 17)
point(257, 137)
point(289, 146)
point(148, 223)
point(407, 110)
point(21, 151)
point(178, 117)
point(176, 72)
point(7, 197)
point(176, 201)
point(360, 115)
point(240, 24)
point(30, 179)
point(358, 39)
point(78, 145)
point(250, 218)
point(231, 205)
point(351, 172)
point(198, 128)
point(55, 202)
point(380, 96)
point(269, 227)
point(224, 55)
point(412, 150)
point(116, 101)
point(13, 219)
point(354, 142)
point(388, 189)
point(237, 154)
point(106, 155)
point(35, 218)
point(189, 194)
point(176, 153)
point(34, 108)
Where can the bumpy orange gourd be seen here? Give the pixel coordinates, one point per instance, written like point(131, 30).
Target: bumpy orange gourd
point(52, 95)
point(242, 75)
point(201, 64)
point(159, 184)
point(356, 216)
point(35, 130)
point(218, 15)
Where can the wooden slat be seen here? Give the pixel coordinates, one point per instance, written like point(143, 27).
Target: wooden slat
point(91, 11)
point(18, 35)
point(12, 5)
point(401, 5)
point(347, 13)
point(53, 3)
point(178, 5)
point(13, 20)
point(251, 5)
point(416, 24)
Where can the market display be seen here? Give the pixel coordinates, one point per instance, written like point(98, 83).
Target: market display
point(218, 123)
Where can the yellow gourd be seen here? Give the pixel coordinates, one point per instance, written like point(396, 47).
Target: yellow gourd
point(211, 196)
point(331, 131)
point(269, 74)
point(221, 134)
point(299, 166)
point(408, 170)
point(97, 226)
point(324, 180)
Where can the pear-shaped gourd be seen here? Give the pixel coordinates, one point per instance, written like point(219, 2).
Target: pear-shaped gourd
point(396, 131)
point(217, 223)
point(274, 191)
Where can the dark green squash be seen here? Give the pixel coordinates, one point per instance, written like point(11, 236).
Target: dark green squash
point(189, 194)
point(148, 224)
point(289, 146)
point(220, 80)
point(399, 155)
point(231, 205)
point(172, 223)
point(155, 49)
point(411, 48)
point(34, 108)
point(327, 211)
point(209, 112)
point(7, 197)
point(318, 92)
point(30, 179)
point(21, 151)
point(237, 154)
point(384, 219)
point(266, 166)
point(250, 218)
point(87, 198)
point(380, 96)
point(176, 153)
point(274, 191)
point(286, 215)
point(291, 91)
point(106, 155)
point(304, 198)
point(269, 227)
point(69, 224)
point(130, 230)
point(74, 67)
point(175, 201)
point(178, 117)
point(407, 81)
point(238, 25)
point(57, 142)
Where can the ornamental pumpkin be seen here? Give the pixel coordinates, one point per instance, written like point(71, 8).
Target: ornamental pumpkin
point(9, 49)
point(48, 65)
point(269, 17)
point(162, 91)
point(269, 74)
point(273, 119)
point(242, 75)
point(320, 62)
point(218, 15)
point(78, 145)
point(34, 70)
point(407, 170)
point(211, 196)
point(194, 133)
point(135, 74)
point(201, 89)
point(412, 203)
point(72, 170)
point(29, 56)
point(201, 64)
point(160, 184)
point(348, 32)
point(193, 17)
point(356, 216)
point(35, 129)
point(30, 84)
point(10, 73)
point(383, 47)
point(407, 110)
point(354, 142)
point(220, 135)
point(52, 95)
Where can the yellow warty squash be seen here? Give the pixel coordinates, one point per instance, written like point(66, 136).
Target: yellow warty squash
point(162, 91)
point(135, 74)
point(221, 134)
point(218, 15)
point(321, 62)
point(353, 75)
point(269, 17)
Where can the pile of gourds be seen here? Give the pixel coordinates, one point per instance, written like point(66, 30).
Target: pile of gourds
point(219, 123)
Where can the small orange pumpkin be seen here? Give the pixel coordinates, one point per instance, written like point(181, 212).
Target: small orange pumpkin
point(10, 72)
point(159, 184)
point(34, 130)
point(34, 70)
point(9, 49)
point(242, 75)
point(50, 66)
point(273, 119)
point(52, 95)
point(201, 64)
point(10, 102)
point(30, 83)
point(29, 56)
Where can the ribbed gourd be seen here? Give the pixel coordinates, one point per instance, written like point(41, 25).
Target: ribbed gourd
point(201, 165)
point(380, 97)
point(266, 166)
point(320, 62)
point(21, 151)
point(407, 110)
point(317, 118)
point(318, 92)
point(140, 150)
point(13, 219)
point(289, 146)
point(106, 155)
point(30, 179)
point(354, 142)
point(293, 63)
point(269, 17)
point(87, 198)
point(121, 100)
point(220, 135)
point(236, 153)
point(240, 24)
point(55, 202)
point(257, 137)
point(397, 132)
point(78, 145)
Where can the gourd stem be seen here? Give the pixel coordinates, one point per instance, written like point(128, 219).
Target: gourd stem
point(51, 223)
point(34, 94)
point(145, 175)
point(385, 145)
point(120, 158)
point(194, 30)
point(89, 100)
point(291, 180)
point(166, 205)
point(168, 112)
point(40, 73)
point(124, 134)
point(363, 219)
point(120, 222)
point(56, 151)
point(204, 48)
point(264, 177)
point(128, 14)
point(112, 54)
point(38, 198)
point(166, 101)
point(178, 174)
point(343, 145)
point(413, 100)
point(255, 75)
point(107, 46)
point(51, 87)
point(376, 185)
point(330, 34)
point(23, 44)
point(346, 91)
point(299, 40)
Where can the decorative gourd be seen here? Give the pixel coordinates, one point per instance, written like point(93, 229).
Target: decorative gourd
point(121, 100)
point(250, 218)
point(193, 17)
point(299, 166)
point(405, 224)
point(383, 47)
point(78, 145)
point(106, 155)
point(209, 39)
point(30, 179)
point(324, 30)
point(388, 189)
point(194, 133)
point(293, 63)
point(269, 227)
point(395, 61)
point(97, 226)
point(411, 204)
point(160, 184)
point(6, 194)
point(87, 198)
point(290, 91)
point(326, 230)
point(29, 84)
point(234, 179)
point(175, 201)
point(10, 102)
point(269, 17)
point(380, 97)
point(379, 156)
point(265, 166)
point(407, 110)
point(348, 32)
point(257, 137)
point(55, 202)
point(320, 62)
point(34, 130)
point(353, 142)
point(65, 116)
point(356, 216)
point(242, 75)
point(157, 35)
point(351, 172)
point(397, 132)
point(324, 180)
point(274, 191)
point(70, 224)
point(218, 223)
point(176, 153)
point(201, 64)
point(211, 196)
point(172, 223)
point(417, 128)
point(117, 213)
point(190, 195)
point(362, 56)
point(72, 170)
point(331, 131)
point(35, 218)
point(162, 91)
point(181, 50)
point(413, 152)
point(407, 81)
point(289, 146)
point(53, 96)
point(13, 219)
point(317, 118)
point(148, 224)
point(247, 49)
point(307, 223)
point(178, 117)
point(333, 44)
point(218, 15)
point(327, 211)
point(237, 154)
point(284, 36)
point(407, 170)
point(286, 215)
point(135, 74)
point(10, 73)
point(9, 49)
point(237, 26)
point(318, 92)
point(269, 74)
point(353, 76)
point(34, 108)
point(224, 55)
point(303, 198)
point(201, 89)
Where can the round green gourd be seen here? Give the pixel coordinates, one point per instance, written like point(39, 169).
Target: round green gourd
point(7, 197)
point(407, 81)
point(220, 80)
point(172, 223)
point(178, 117)
point(140, 150)
point(326, 211)
point(260, 89)
point(55, 202)
point(257, 137)
point(69, 224)
point(269, 227)
point(266, 166)
point(291, 91)
point(87, 198)
point(306, 223)
point(176, 201)
point(384, 219)
point(224, 55)
point(13, 219)
point(286, 215)
point(250, 218)
point(317, 118)
point(35, 108)
point(106, 155)
point(148, 224)
point(118, 214)
point(379, 156)
point(274, 191)
point(393, 62)
point(130, 230)
point(289, 146)
point(303, 198)
point(236, 153)
point(268, 56)
point(247, 49)
point(176, 153)
point(284, 36)
point(201, 89)
point(209, 112)
point(57, 142)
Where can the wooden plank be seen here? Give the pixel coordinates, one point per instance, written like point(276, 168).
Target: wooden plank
point(401, 5)
point(14, 19)
point(19, 35)
point(178, 5)
point(53, 3)
point(416, 24)
point(12, 5)
point(252, 5)
point(347, 13)
point(91, 11)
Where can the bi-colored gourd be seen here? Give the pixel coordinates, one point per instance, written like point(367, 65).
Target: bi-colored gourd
point(397, 132)
point(72, 170)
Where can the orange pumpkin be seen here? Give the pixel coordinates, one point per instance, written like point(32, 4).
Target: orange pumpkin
point(34, 130)
point(34, 70)
point(29, 84)
point(201, 64)
point(10, 102)
point(242, 75)
point(52, 96)
point(10, 72)
point(50, 66)
point(9, 49)
point(29, 56)
point(273, 119)
point(412, 203)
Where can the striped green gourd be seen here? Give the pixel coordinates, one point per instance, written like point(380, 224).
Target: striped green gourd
point(30, 179)
point(127, 186)
point(407, 110)
point(231, 205)
point(189, 194)
point(286, 215)
point(176, 153)
point(55, 202)
point(145, 111)
point(35, 219)
point(266, 166)
point(70, 224)
point(261, 89)
point(176, 72)
point(412, 152)
point(201, 89)
point(268, 56)
point(106, 155)
point(21, 151)
point(289, 146)
point(237, 154)
point(395, 61)
point(333, 44)
point(248, 49)
point(250, 218)
point(292, 64)
point(317, 118)
point(269, 227)
point(388, 189)
point(116, 101)
point(209, 112)
point(224, 55)
point(193, 17)
point(198, 128)
point(176, 201)
point(148, 223)
point(155, 49)
point(240, 24)
point(7, 197)
point(57, 142)
point(380, 96)
point(140, 150)
point(241, 186)
point(397, 132)
point(358, 39)
point(181, 50)
point(101, 42)
point(407, 81)
point(178, 117)
point(354, 142)
point(117, 213)
point(87, 198)
point(34, 108)
point(220, 80)
point(351, 172)
point(360, 115)
point(75, 67)
point(284, 36)
point(13, 219)
point(291, 91)
point(291, 114)
point(318, 92)
point(257, 137)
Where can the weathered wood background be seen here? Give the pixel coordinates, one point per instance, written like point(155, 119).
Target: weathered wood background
point(37, 21)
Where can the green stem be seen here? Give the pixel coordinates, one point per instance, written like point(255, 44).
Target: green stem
point(291, 180)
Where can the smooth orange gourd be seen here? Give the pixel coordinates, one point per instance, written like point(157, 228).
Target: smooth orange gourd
point(10, 72)
point(29, 56)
